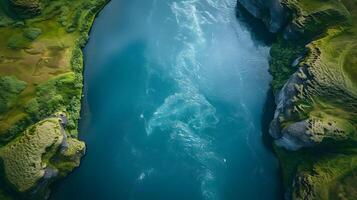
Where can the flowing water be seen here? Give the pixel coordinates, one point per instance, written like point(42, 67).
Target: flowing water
point(173, 106)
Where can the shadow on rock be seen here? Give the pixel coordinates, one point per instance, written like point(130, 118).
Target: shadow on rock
point(256, 27)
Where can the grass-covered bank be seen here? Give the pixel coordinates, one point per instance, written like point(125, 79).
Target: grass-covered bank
point(313, 67)
point(41, 65)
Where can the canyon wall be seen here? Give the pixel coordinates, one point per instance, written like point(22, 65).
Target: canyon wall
point(314, 80)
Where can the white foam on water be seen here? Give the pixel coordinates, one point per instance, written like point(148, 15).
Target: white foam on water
point(185, 114)
point(146, 173)
point(188, 18)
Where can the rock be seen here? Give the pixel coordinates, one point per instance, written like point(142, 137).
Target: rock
point(275, 128)
point(316, 108)
point(297, 61)
point(271, 12)
point(74, 152)
point(284, 99)
point(64, 119)
point(296, 136)
point(50, 173)
point(41, 191)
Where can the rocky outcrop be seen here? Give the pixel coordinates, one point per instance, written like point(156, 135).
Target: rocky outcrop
point(293, 136)
point(317, 79)
point(304, 103)
point(314, 126)
point(270, 11)
point(36, 159)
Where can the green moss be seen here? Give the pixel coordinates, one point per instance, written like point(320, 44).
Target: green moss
point(312, 17)
point(49, 58)
point(350, 64)
point(10, 88)
point(326, 97)
point(69, 159)
point(314, 173)
point(22, 158)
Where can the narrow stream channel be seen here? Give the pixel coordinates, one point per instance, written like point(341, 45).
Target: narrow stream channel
point(173, 106)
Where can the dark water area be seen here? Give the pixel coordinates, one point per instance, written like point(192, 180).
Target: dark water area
point(267, 117)
point(255, 26)
point(175, 105)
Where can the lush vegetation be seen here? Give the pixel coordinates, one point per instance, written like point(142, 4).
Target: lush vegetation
point(10, 88)
point(282, 66)
point(325, 96)
point(40, 75)
point(23, 157)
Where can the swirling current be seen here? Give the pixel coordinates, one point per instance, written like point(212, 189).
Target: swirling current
point(173, 105)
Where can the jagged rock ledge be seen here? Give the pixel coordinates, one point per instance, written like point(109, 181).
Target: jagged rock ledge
point(313, 68)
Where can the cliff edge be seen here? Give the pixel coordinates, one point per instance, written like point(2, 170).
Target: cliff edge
point(41, 88)
point(314, 68)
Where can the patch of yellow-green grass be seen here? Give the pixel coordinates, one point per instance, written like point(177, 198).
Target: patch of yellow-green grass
point(37, 58)
point(22, 158)
point(325, 126)
point(350, 64)
point(331, 86)
point(327, 110)
point(307, 7)
point(328, 84)
point(324, 174)
point(318, 172)
point(338, 53)
point(43, 49)
point(312, 17)
point(327, 94)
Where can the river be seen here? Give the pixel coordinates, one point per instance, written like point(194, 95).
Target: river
point(173, 106)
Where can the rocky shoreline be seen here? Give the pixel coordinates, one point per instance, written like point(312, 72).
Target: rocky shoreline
point(314, 125)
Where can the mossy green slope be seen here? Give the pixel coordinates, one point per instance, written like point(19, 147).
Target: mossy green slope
point(22, 157)
point(40, 77)
point(316, 118)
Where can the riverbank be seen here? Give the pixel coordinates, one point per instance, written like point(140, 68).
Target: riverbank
point(313, 66)
point(41, 67)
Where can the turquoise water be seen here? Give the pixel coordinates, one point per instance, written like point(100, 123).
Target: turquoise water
point(173, 106)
